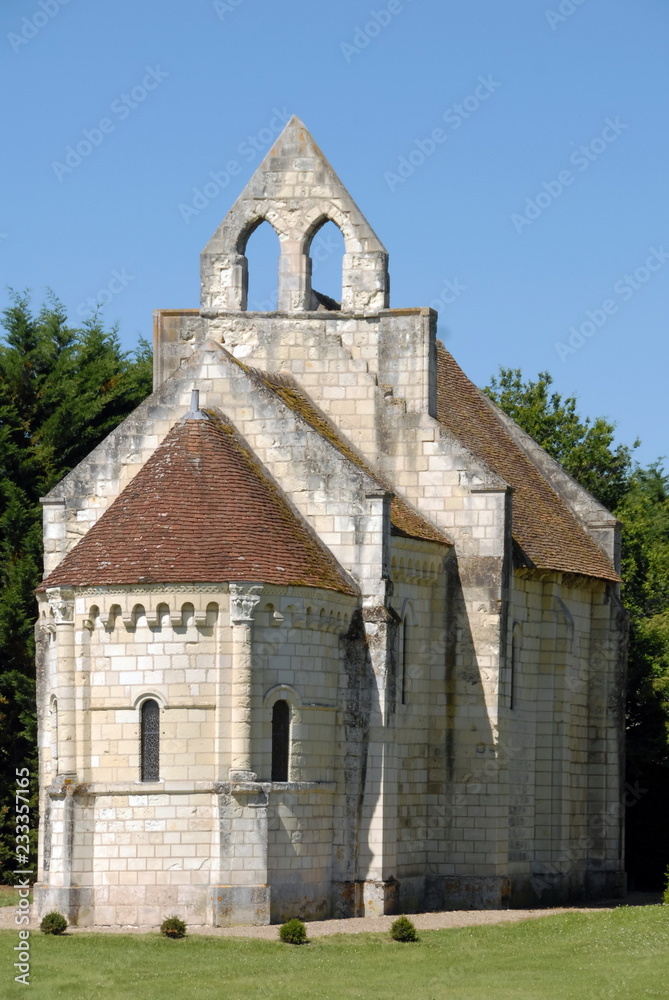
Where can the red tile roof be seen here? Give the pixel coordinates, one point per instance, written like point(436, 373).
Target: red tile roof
point(202, 509)
point(543, 525)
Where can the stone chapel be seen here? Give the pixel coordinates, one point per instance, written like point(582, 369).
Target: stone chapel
point(322, 632)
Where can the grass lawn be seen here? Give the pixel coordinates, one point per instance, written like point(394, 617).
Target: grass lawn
point(623, 954)
point(9, 896)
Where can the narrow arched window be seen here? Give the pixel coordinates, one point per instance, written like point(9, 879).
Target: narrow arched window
point(513, 679)
point(280, 740)
point(404, 660)
point(326, 250)
point(150, 741)
point(262, 254)
point(54, 732)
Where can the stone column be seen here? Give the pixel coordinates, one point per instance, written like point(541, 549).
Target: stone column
point(224, 279)
point(243, 601)
point(294, 277)
point(61, 601)
point(365, 284)
point(242, 896)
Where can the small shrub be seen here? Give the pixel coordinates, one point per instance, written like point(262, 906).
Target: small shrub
point(403, 930)
point(173, 927)
point(665, 898)
point(53, 923)
point(293, 932)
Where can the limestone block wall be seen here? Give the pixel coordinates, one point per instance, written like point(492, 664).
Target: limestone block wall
point(301, 825)
point(116, 849)
point(418, 723)
point(163, 648)
point(394, 350)
point(564, 815)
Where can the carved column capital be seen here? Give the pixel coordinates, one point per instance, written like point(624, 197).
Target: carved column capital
point(243, 600)
point(61, 602)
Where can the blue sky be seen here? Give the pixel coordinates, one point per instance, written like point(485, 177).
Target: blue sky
point(511, 157)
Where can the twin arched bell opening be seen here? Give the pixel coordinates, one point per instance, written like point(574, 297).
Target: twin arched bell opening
point(297, 192)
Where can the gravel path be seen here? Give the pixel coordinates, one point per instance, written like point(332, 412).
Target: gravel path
point(354, 925)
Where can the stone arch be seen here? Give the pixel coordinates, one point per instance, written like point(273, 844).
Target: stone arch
point(282, 691)
point(210, 614)
point(248, 228)
point(260, 291)
point(317, 217)
point(138, 616)
point(147, 695)
point(282, 702)
point(149, 739)
point(325, 264)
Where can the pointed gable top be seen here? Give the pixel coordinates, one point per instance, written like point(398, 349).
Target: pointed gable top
point(202, 510)
point(295, 189)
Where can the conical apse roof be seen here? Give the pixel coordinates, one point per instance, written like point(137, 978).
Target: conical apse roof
point(202, 509)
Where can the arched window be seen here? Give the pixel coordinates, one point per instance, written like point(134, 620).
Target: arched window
point(150, 741)
point(54, 732)
point(326, 250)
point(280, 740)
point(262, 254)
point(404, 659)
point(515, 652)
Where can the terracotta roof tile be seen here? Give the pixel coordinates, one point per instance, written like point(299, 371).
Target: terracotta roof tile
point(202, 509)
point(544, 527)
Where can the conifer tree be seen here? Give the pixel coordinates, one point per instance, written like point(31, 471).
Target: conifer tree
point(62, 390)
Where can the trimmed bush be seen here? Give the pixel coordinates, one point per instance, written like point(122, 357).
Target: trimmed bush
point(293, 932)
point(173, 927)
point(403, 930)
point(53, 923)
point(665, 898)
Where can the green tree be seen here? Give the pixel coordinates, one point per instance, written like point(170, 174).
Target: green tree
point(639, 497)
point(584, 447)
point(62, 390)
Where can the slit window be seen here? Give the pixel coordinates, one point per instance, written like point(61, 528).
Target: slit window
point(280, 740)
point(404, 661)
point(150, 741)
point(54, 732)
